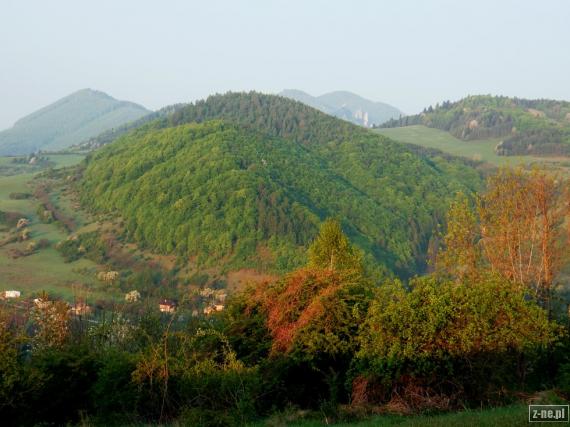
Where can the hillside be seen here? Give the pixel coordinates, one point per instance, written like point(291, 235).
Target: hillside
point(523, 127)
point(482, 150)
point(347, 106)
point(66, 122)
point(245, 180)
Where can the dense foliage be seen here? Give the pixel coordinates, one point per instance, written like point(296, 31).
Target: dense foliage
point(224, 191)
point(524, 126)
point(318, 337)
point(449, 340)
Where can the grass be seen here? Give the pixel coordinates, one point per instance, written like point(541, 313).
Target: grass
point(514, 415)
point(64, 160)
point(483, 150)
point(45, 269)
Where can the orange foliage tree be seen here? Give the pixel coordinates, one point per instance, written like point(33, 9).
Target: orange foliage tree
point(519, 234)
point(317, 309)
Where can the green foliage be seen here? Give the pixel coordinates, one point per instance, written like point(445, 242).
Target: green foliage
point(526, 127)
point(10, 219)
point(332, 250)
point(45, 215)
point(219, 191)
point(11, 373)
point(19, 196)
point(114, 393)
point(87, 245)
point(473, 334)
point(460, 256)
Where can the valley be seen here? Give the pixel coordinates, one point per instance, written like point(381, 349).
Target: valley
point(254, 243)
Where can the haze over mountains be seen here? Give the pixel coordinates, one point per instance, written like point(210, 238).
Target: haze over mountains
point(68, 121)
point(347, 106)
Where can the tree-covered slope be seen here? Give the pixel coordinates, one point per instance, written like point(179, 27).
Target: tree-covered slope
point(66, 122)
point(347, 106)
point(245, 179)
point(538, 127)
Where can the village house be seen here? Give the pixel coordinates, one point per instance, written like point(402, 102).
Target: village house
point(167, 306)
point(10, 294)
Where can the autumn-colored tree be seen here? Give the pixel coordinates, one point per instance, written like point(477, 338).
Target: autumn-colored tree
point(518, 232)
point(522, 227)
point(316, 309)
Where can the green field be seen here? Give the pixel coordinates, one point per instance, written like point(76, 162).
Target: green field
point(483, 150)
point(45, 269)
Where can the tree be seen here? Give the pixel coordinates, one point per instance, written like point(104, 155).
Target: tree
point(460, 256)
point(51, 319)
point(518, 233)
point(316, 310)
point(332, 250)
point(522, 228)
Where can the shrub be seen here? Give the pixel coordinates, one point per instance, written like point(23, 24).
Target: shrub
point(472, 335)
point(19, 196)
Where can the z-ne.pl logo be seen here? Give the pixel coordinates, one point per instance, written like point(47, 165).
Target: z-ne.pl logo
point(548, 413)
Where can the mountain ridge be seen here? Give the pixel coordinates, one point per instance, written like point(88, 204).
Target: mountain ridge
point(347, 106)
point(68, 121)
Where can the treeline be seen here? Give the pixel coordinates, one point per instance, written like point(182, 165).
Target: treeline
point(328, 337)
point(265, 177)
point(537, 127)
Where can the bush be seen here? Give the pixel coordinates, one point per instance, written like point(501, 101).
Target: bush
point(114, 394)
point(19, 196)
point(463, 340)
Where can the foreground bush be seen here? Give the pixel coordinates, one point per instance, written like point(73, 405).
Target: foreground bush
point(462, 341)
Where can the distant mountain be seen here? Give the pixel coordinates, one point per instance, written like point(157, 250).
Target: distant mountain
point(347, 106)
point(523, 126)
point(244, 180)
point(71, 120)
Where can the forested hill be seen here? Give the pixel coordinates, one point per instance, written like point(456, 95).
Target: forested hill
point(245, 180)
point(66, 122)
point(347, 106)
point(525, 127)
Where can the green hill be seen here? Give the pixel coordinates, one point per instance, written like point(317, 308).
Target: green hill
point(245, 179)
point(482, 150)
point(520, 126)
point(66, 122)
point(347, 106)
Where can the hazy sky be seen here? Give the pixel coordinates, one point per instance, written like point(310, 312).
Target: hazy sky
point(410, 53)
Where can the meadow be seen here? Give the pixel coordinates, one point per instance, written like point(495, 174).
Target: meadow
point(479, 150)
point(45, 269)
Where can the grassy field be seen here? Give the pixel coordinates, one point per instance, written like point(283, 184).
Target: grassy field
point(45, 269)
point(510, 416)
point(483, 150)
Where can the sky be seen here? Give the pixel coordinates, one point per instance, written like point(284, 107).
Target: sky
point(408, 53)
